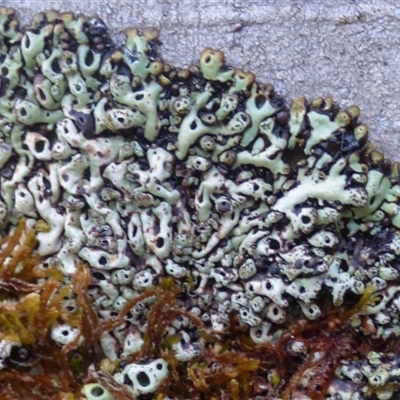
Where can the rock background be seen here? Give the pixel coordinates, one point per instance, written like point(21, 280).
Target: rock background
point(343, 48)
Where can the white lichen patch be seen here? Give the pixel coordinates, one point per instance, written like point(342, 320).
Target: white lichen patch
point(144, 171)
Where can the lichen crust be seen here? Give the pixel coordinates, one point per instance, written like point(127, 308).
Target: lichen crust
point(269, 219)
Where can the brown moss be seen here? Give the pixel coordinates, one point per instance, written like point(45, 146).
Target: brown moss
point(232, 368)
point(30, 306)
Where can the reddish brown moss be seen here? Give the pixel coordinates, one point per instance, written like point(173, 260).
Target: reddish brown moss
point(31, 305)
point(234, 368)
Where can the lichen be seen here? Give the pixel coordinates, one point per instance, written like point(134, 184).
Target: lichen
point(183, 231)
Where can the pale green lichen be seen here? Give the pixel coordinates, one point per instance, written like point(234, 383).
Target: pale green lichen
point(202, 174)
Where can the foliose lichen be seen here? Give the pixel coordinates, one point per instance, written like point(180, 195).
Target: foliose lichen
point(227, 235)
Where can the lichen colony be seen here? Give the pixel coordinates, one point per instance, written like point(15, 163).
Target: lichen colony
point(184, 233)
